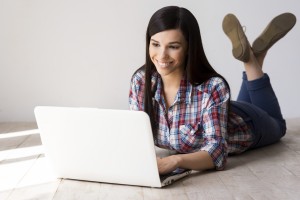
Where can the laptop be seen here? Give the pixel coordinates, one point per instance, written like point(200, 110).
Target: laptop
point(101, 145)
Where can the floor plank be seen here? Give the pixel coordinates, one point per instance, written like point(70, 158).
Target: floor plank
point(12, 167)
point(38, 183)
point(271, 172)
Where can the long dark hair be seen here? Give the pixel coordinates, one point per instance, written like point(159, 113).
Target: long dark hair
point(197, 69)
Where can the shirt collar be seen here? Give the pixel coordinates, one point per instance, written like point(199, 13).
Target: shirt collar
point(183, 94)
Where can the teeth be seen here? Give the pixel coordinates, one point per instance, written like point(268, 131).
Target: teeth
point(164, 64)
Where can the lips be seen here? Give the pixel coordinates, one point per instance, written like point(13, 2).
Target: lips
point(164, 64)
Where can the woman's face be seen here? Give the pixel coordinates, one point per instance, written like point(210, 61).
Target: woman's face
point(168, 50)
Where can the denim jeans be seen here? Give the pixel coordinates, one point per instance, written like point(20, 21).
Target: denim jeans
point(257, 104)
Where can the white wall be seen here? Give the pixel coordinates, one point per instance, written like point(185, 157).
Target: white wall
point(83, 52)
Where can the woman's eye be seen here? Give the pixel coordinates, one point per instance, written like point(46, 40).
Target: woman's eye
point(174, 47)
point(155, 44)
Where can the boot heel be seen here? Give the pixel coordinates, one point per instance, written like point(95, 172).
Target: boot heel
point(240, 45)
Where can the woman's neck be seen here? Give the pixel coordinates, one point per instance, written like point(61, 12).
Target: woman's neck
point(172, 81)
point(171, 85)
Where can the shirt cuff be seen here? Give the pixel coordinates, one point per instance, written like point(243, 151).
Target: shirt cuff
point(218, 153)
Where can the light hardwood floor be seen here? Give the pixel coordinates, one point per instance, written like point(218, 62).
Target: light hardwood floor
point(271, 172)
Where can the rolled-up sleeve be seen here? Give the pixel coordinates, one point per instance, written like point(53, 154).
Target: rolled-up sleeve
point(215, 124)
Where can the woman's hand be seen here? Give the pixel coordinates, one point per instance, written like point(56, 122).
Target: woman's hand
point(200, 160)
point(167, 164)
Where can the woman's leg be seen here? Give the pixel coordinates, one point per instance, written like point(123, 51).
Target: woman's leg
point(269, 125)
point(256, 98)
point(262, 112)
point(243, 93)
point(256, 88)
point(259, 87)
point(275, 30)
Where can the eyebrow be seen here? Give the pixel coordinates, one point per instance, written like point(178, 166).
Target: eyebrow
point(175, 42)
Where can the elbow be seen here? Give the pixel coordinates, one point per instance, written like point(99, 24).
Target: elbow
point(218, 155)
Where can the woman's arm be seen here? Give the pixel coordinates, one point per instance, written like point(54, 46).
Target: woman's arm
point(200, 160)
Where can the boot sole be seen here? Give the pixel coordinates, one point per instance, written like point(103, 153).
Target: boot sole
point(234, 31)
point(276, 29)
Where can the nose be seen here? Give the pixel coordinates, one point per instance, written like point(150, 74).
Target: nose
point(163, 53)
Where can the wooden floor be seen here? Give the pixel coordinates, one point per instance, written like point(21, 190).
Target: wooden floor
point(272, 172)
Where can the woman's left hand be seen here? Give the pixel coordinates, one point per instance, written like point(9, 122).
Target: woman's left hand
point(167, 164)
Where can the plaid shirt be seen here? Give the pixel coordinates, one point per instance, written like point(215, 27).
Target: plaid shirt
point(197, 120)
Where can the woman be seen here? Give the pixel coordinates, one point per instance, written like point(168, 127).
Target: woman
point(188, 102)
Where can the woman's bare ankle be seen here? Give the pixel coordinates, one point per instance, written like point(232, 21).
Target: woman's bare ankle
point(260, 58)
point(253, 67)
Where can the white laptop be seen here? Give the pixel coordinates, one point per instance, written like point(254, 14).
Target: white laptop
point(102, 145)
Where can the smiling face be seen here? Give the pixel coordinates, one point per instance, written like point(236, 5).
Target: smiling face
point(168, 50)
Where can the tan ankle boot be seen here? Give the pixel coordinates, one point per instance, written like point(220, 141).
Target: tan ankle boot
point(275, 30)
point(240, 45)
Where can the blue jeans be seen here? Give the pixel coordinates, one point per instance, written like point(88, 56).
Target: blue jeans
point(257, 104)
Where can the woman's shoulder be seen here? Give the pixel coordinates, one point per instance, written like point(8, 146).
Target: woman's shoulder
point(215, 80)
point(213, 83)
point(215, 88)
point(138, 75)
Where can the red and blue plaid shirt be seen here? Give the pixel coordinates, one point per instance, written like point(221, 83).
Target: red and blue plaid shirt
point(198, 120)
